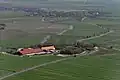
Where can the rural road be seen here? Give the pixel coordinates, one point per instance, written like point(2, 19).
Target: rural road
point(61, 33)
point(96, 36)
point(45, 39)
point(28, 69)
point(70, 28)
point(83, 19)
point(102, 35)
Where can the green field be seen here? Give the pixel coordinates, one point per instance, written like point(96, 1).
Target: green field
point(80, 30)
point(79, 68)
point(88, 68)
point(11, 14)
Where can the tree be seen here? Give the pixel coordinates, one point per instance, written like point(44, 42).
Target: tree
point(2, 26)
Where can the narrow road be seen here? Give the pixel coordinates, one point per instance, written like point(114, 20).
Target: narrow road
point(103, 35)
point(61, 33)
point(45, 39)
point(70, 28)
point(83, 19)
point(96, 36)
point(28, 69)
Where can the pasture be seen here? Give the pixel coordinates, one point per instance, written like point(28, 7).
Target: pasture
point(112, 39)
point(86, 67)
point(11, 14)
point(32, 31)
point(28, 31)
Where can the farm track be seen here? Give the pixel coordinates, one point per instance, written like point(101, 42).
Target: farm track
point(96, 36)
point(28, 69)
point(104, 35)
point(70, 28)
point(61, 33)
point(45, 39)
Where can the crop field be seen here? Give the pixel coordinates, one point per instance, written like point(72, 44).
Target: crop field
point(80, 30)
point(112, 39)
point(11, 14)
point(104, 67)
point(21, 32)
point(28, 31)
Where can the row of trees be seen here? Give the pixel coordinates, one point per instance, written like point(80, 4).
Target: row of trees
point(77, 48)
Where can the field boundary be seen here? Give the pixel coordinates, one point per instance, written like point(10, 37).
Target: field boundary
point(104, 35)
point(45, 64)
point(41, 65)
point(70, 28)
point(96, 36)
point(61, 33)
point(45, 39)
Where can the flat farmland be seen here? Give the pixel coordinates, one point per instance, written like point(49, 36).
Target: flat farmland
point(12, 64)
point(69, 68)
point(80, 30)
point(11, 14)
point(112, 39)
point(21, 32)
point(104, 67)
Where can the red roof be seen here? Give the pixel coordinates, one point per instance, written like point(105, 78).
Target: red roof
point(30, 51)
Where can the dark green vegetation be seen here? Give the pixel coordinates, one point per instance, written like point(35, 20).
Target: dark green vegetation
point(77, 48)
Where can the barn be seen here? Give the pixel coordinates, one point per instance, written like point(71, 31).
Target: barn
point(34, 51)
point(30, 51)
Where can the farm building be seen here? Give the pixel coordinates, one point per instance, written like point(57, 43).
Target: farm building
point(33, 51)
point(48, 48)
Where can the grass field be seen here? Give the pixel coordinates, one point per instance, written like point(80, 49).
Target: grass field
point(79, 68)
point(11, 14)
point(28, 31)
point(80, 30)
point(112, 38)
point(88, 68)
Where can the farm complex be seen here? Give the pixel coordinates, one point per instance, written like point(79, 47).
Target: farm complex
point(55, 40)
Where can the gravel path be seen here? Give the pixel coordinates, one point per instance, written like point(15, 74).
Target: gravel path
point(45, 39)
point(70, 28)
point(31, 68)
point(96, 36)
point(61, 33)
